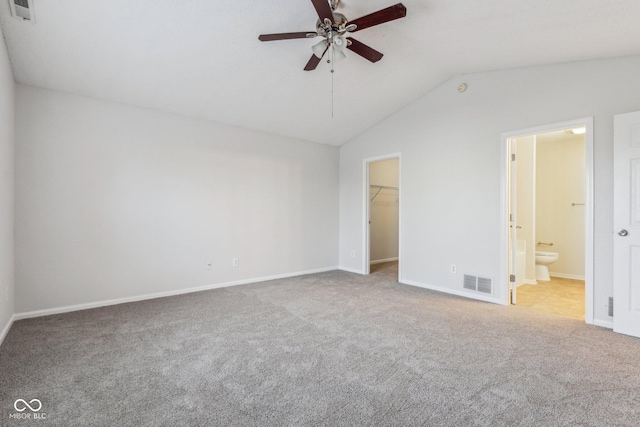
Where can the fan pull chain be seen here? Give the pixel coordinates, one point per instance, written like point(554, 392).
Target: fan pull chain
point(332, 73)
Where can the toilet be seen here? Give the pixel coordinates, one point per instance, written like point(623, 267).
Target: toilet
point(543, 259)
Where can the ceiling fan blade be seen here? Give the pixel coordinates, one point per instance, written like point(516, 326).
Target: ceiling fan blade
point(284, 36)
point(314, 61)
point(363, 50)
point(390, 13)
point(323, 9)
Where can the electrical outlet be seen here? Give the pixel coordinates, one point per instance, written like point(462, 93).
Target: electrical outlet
point(353, 254)
point(236, 262)
point(453, 268)
point(209, 265)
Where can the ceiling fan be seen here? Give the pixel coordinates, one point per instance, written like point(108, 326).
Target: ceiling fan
point(333, 26)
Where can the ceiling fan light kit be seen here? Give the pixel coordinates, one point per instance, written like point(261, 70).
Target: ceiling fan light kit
point(320, 48)
point(333, 26)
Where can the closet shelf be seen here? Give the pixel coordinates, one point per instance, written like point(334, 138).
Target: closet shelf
point(380, 188)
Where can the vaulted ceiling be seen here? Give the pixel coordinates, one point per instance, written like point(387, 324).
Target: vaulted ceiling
point(202, 58)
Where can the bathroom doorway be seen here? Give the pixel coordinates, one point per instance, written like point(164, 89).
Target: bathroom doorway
point(382, 216)
point(549, 219)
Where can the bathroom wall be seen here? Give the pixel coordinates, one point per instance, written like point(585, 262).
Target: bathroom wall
point(560, 182)
point(384, 211)
point(526, 202)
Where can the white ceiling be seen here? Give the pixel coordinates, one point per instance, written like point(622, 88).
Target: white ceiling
point(202, 58)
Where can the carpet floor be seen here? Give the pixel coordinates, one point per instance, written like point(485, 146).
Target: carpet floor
point(334, 349)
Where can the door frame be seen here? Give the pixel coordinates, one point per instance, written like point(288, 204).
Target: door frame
point(587, 122)
point(366, 194)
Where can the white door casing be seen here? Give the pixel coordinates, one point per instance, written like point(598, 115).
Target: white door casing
point(626, 245)
point(366, 255)
point(505, 254)
point(513, 222)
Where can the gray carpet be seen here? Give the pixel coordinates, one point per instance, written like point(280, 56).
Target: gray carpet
point(331, 349)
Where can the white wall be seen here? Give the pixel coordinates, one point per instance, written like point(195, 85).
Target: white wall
point(452, 161)
point(560, 181)
point(7, 138)
point(116, 202)
point(383, 213)
point(526, 203)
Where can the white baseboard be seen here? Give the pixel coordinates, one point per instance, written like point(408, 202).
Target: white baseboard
point(603, 324)
point(86, 306)
point(5, 331)
point(380, 261)
point(470, 295)
point(351, 270)
point(566, 276)
point(527, 282)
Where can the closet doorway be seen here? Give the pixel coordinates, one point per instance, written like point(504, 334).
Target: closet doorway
point(382, 219)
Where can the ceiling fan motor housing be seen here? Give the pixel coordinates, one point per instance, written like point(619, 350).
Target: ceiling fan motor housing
point(339, 23)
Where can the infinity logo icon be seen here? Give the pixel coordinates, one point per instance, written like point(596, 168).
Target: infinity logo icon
point(26, 405)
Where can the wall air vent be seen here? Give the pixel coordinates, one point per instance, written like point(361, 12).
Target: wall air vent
point(610, 307)
point(478, 284)
point(470, 282)
point(23, 10)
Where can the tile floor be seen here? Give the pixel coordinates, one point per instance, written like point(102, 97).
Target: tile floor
point(564, 297)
